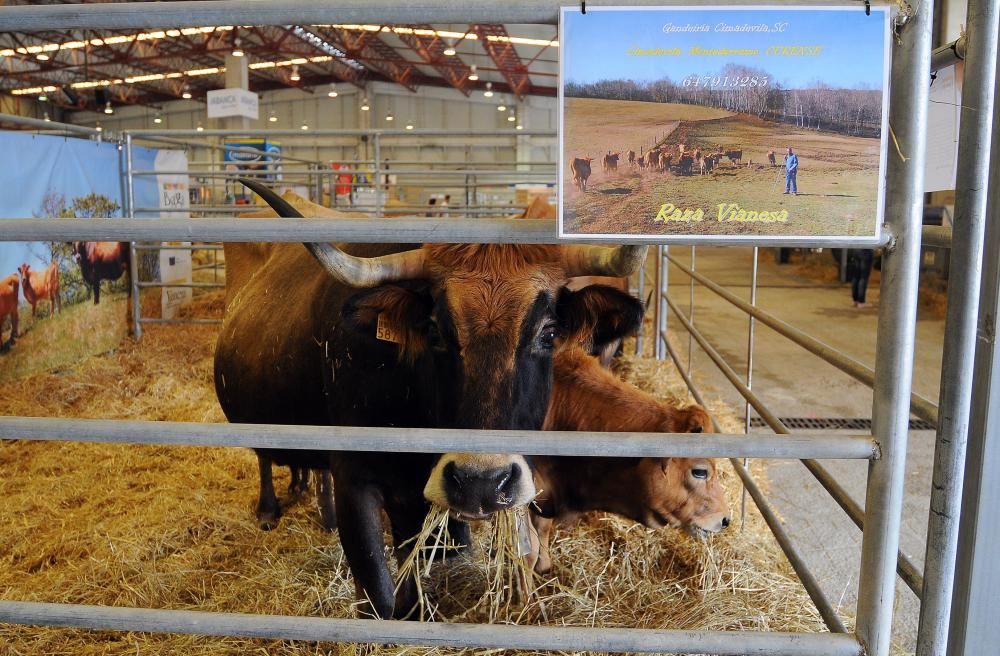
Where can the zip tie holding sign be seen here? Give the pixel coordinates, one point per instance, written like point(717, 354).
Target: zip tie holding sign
point(895, 142)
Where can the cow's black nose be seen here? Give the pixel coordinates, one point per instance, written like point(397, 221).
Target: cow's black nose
point(477, 491)
point(725, 522)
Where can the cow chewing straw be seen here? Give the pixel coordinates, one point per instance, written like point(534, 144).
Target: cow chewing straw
point(173, 527)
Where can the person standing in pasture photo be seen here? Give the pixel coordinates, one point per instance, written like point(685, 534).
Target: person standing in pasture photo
point(791, 170)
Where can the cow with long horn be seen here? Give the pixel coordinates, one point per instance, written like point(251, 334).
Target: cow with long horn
point(488, 314)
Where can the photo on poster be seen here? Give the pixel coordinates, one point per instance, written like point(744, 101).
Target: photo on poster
point(735, 122)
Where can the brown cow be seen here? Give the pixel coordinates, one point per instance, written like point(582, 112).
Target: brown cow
point(656, 492)
point(41, 285)
point(653, 159)
point(631, 157)
point(611, 162)
point(9, 288)
point(580, 168)
point(772, 160)
point(101, 260)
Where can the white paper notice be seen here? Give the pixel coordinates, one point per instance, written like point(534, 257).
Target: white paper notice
point(942, 131)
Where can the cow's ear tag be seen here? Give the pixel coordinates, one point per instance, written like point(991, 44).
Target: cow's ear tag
point(386, 331)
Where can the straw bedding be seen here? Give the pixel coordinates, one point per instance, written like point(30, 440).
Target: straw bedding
point(173, 527)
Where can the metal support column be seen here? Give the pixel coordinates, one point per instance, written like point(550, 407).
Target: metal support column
point(960, 325)
point(974, 629)
point(691, 317)
point(376, 178)
point(896, 329)
point(641, 292)
point(661, 276)
point(133, 271)
point(747, 408)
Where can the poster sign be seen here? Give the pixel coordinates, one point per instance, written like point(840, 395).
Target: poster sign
point(223, 103)
point(175, 203)
point(735, 122)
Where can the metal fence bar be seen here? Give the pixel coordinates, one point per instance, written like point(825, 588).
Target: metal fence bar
point(435, 440)
point(48, 125)
point(362, 230)
point(133, 269)
point(974, 629)
point(179, 247)
point(958, 361)
point(939, 236)
point(179, 321)
point(428, 634)
point(896, 329)
point(907, 570)
point(182, 285)
point(750, 345)
point(919, 406)
point(690, 361)
point(658, 306)
point(338, 132)
point(808, 581)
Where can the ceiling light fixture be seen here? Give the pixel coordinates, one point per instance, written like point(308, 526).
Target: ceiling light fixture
point(449, 52)
point(333, 91)
point(45, 117)
point(186, 94)
point(501, 107)
point(409, 125)
point(42, 56)
point(389, 116)
point(158, 118)
point(200, 128)
point(520, 127)
point(42, 97)
point(489, 90)
point(305, 126)
point(365, 106)
point(273, 118)
point(237, 50)
point(108, 109)
point(99, 128)
point(473, 75)
point(511, 117)
point(295, 77)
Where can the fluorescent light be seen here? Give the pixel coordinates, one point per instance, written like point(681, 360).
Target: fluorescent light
point(42, 57)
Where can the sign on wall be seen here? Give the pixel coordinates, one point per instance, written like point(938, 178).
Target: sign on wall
point(223, 103)
point(175, 203)
point(723, 121)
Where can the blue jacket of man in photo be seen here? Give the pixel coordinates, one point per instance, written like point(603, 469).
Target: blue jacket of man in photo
point(791, 169)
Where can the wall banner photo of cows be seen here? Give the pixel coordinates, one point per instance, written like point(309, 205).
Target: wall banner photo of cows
point(736, 122)
point(62, 301)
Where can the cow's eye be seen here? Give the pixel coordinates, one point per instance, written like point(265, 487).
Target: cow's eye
point(547, 338)
point(700, 473)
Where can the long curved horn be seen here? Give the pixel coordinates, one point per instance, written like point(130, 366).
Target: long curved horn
point(348, 269)
point(616, 261)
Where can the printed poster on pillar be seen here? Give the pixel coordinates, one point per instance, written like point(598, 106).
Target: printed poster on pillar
point(724, 122)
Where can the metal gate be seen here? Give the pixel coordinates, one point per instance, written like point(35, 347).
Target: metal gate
point(891, 379)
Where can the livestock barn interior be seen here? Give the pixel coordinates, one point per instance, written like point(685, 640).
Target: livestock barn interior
point(726, 451)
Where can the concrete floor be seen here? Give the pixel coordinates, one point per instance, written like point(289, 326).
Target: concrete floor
point(794, 383)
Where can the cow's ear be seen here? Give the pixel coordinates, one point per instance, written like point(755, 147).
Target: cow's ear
point(399, 313)
point(598, 316)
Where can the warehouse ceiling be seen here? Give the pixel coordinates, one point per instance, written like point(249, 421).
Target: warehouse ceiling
point(84, 69)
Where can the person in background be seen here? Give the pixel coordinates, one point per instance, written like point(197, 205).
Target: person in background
point(859, 268)
point(444, 203)
point(431, 203)
point(791, 170)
